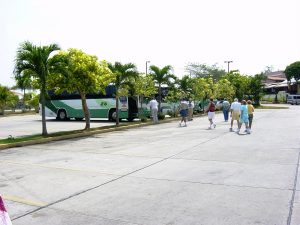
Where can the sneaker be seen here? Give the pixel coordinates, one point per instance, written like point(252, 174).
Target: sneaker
point(245, 131)
point(230, 129)
point(179, 125)
point(209, 128)
point(248, 131)
point(238, 131)
point(215, 125)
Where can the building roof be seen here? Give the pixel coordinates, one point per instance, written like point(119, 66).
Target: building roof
point(274, 77)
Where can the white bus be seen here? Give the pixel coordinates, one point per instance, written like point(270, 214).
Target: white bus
point(68, 105)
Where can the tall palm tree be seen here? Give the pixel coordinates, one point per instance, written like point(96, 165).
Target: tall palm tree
point(23, 81)
point(161, 76)
point(185, 84)
point(124, 78)
point(35, 60)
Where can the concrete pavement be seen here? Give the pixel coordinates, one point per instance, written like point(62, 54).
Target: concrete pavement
point(159, 175)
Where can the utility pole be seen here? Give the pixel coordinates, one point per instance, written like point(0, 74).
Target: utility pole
point(228, 62)
point(147, 67)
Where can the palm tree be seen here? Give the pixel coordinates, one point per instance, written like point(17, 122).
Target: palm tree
point(23, 81)
point(35, 60)
point(185, 84)
point(124, 78)
point(161, 76)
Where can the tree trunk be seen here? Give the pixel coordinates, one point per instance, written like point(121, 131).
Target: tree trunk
point(159, 96)
point(23, 108)
point(141, 113)
point(117, 109)
point(43, 101)
point(86, 112)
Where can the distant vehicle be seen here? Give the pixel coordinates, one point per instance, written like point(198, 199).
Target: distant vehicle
point(219, 104)
point(293, 99)
point(68, 105)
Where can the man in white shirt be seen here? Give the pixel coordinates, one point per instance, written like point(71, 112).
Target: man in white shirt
point(154, 109)
point(235, 109)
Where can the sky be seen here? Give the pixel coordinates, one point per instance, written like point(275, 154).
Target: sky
point(254, 34)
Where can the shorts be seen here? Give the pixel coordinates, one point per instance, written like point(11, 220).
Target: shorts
point(235, 115)
point(244, 120)
point(211, 115)
point(183, 113)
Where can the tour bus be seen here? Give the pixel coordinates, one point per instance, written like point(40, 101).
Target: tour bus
point(293, 99)
point(66, 105)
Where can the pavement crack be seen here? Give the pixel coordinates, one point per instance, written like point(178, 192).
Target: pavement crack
point(289, 219)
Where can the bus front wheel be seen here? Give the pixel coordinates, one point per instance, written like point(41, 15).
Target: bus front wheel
point(61, 115)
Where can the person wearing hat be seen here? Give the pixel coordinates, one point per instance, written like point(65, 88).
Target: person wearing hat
point(235, 113)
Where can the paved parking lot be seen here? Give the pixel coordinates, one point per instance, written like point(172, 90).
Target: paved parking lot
point(161, 175)
point(22, 125)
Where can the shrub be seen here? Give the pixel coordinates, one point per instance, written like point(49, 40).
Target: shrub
point(160, 116)
point(144, 119)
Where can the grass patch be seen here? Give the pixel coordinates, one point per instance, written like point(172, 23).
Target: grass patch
point(270, 107)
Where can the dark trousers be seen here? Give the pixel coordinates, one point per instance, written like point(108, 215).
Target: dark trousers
point(225, 113)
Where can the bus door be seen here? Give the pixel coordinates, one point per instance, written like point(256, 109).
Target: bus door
point(132, 107)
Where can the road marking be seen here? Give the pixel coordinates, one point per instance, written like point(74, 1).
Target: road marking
point(23, 201)
point(57, 168)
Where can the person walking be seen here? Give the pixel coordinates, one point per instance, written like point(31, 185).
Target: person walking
point(244, 117)
point(234, 113)
point(250, 113)
point(211, 113)
point(226, 108)
point(183, 110)
point(190, 110)
point(154, 109)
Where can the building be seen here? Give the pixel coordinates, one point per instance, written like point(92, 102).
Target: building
point(277, 81)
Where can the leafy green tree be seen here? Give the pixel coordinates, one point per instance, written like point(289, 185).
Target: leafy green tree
point(203, 70)
point(256, 86)
point(239, 82)
point(144, 86)
point(33, 101)
point(224, 89)
point(161, 76)
point(124, 78)
point(12, 101)
point(35, 60)
point(203, 88)
point(76, 71)
point(174, 96)
point(4, 96)
point(293, 71)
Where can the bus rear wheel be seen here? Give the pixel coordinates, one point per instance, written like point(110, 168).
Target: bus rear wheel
point(61, 115)
point(112, 115)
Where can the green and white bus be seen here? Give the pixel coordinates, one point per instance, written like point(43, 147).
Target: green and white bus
point(68, 105)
